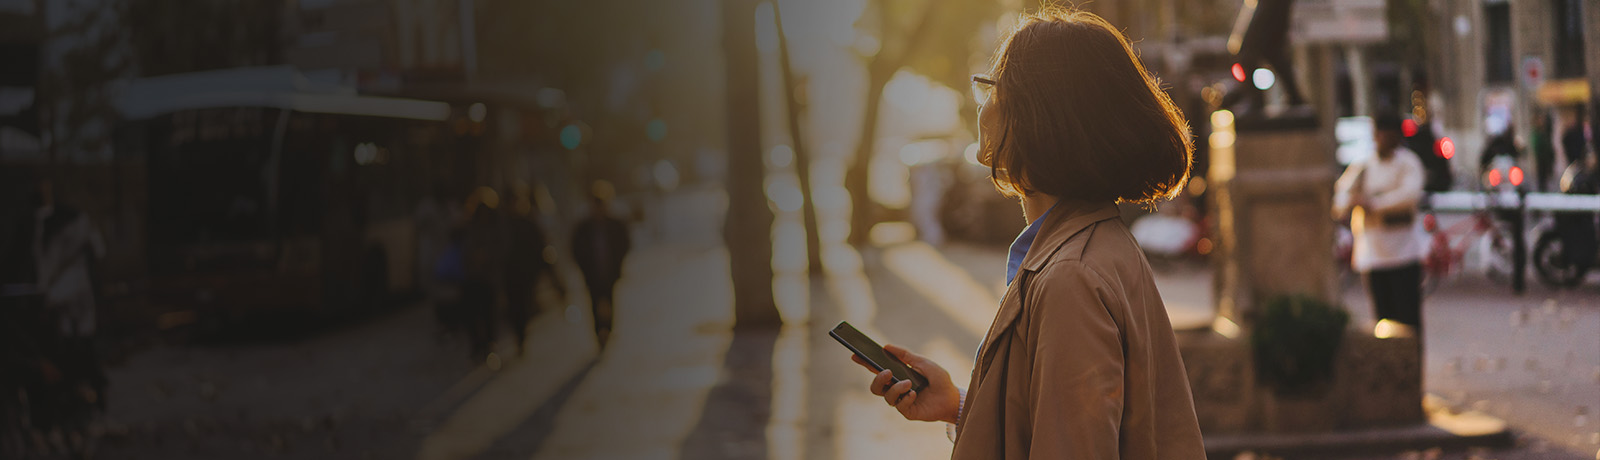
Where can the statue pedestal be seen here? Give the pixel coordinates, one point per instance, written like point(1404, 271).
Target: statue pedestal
point(1271, 184)
point(1376, 383)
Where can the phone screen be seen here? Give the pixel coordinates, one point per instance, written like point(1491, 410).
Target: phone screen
point(869, 350)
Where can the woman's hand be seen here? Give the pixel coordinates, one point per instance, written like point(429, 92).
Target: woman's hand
point(938, 402)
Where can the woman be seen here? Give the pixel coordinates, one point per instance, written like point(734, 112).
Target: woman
point(1081, 361)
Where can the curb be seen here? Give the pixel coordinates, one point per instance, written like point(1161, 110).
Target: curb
point(1444, 429)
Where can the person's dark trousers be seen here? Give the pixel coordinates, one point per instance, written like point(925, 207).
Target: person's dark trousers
point(522, 302)
point(477, 311)
point(602, 307)
point(1397, 294)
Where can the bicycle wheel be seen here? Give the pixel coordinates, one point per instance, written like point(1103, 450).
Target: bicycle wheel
point(1550, 263)
point(1433, 274)
point(1497, 250)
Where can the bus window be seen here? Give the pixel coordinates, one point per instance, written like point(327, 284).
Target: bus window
point(206, 181)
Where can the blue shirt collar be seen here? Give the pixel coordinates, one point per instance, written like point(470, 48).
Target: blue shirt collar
point(1024, 241)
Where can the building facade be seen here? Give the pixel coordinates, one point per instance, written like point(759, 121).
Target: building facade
point(1501, 63)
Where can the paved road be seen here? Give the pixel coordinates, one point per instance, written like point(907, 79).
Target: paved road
point(349, 393)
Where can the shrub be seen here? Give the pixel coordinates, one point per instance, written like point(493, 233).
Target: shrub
point(1295, 341)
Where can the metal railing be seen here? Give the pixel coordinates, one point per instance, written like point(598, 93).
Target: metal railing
point(1519, 202)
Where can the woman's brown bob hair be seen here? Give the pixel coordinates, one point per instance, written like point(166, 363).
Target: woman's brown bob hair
point(1080, 118)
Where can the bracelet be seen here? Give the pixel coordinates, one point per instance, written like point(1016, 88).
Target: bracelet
point(950, 428)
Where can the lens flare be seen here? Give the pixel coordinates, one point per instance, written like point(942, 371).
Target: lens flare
point(1263, 78)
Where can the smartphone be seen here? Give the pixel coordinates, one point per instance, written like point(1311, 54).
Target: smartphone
point(874, 354)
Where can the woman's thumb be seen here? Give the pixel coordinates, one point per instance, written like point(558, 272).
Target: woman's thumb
point(905, 356)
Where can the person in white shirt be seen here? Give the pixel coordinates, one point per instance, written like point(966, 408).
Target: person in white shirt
point(1380, 194)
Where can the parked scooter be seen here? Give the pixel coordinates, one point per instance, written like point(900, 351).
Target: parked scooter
point(1567, 250)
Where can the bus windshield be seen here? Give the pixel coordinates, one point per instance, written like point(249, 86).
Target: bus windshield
point(210, 176)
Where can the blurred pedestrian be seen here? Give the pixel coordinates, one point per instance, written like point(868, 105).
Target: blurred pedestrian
point(432, 221)
point(1574, 144)
point(928, 180)
point(1542, 143)
point(483, 266)
point(1499, 145)
point(439, 256)
point(1380, 194)
point(527, 262)
point(600, 243)
point(66, 244)
point(1071, 124)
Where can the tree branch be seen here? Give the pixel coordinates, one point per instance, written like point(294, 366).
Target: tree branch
point(887, 61)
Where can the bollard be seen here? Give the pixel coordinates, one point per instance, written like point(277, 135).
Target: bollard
point(1519, 245)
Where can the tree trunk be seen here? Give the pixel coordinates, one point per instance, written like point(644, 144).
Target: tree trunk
point(858, 180)
point(748, 228)
point(802, 157)
point(863, 212)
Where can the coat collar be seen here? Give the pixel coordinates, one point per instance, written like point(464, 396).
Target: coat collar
point(1067, 220)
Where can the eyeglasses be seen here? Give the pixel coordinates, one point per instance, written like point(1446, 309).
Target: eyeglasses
point(982, 88)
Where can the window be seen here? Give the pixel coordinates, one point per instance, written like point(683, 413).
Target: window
point(1497, 65)
point(1567, 25)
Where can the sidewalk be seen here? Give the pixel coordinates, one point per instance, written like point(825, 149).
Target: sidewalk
point(679, 382)
point(638, 398)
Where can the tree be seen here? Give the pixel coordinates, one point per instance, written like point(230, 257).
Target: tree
point(83, 51)
point(802, 157)
point(748, 228)
point(945, 57)
point(897, 43)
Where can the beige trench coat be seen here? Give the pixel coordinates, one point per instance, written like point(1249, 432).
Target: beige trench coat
point(1081, 361)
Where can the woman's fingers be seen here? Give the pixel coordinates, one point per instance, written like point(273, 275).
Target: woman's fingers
point(906, 356)
point(923, 365)
point(907, 400)
point(880, 383)
point(897, 392)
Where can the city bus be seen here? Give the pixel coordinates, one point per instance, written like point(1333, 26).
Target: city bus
point(251, 201)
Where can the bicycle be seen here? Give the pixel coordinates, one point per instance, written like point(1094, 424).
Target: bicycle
point(1445, 257)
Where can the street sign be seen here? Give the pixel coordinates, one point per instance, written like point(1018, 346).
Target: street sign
point(1340, 21)
point(1532, 72)
point(1564, 92)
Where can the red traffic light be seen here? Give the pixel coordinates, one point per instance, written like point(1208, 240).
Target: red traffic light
point(1494, 178)
point(1446, 148)
point(1516, 176)
point(1408, 127)
point(1238, 72)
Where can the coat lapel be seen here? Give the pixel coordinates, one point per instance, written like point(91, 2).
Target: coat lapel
point(1056, 230)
